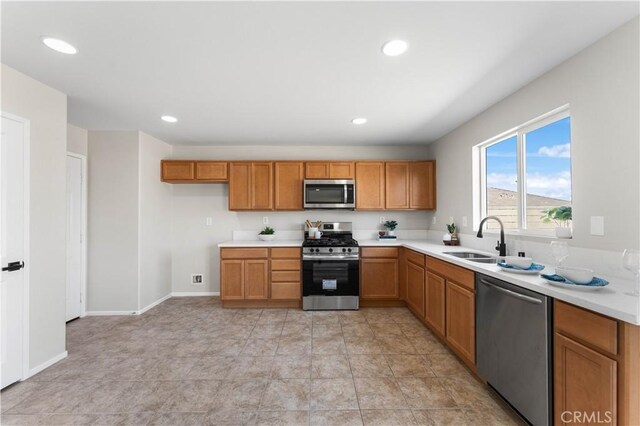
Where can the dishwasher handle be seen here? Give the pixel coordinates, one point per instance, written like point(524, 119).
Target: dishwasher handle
point(512, 293)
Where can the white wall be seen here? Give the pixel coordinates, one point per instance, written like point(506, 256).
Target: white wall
point(601, 86)
point(113, 221)
point(46, 109)
point(77, 139)
point(195, 244)
point(155, 222)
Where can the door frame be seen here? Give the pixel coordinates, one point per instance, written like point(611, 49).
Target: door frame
point(27, 261)
point(83, 227)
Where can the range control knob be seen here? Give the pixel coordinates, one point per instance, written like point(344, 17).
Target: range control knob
point(344, 250)
point(349, 250)
point(317, 250)
point(330, 250)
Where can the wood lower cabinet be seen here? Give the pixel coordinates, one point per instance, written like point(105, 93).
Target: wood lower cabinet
point(244, 274)
point(232, 279)
point(286, 279)
point(435, 294)
point(289, 178)
point(415, 288)
point(251, 186)
point(379, 273)
point(370, 185)
point(461, 320)
point(176, 171)
point(329, 170)
point(256, 279)
point(402, 273)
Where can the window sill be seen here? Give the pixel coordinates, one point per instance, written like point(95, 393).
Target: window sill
point(536, 235)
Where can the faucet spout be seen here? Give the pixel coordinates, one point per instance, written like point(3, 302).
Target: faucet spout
point(501, 247)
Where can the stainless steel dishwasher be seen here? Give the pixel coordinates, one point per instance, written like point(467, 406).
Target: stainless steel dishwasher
point(514, 346)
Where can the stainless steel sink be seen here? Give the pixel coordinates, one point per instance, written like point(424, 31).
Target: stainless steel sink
point(473, 257)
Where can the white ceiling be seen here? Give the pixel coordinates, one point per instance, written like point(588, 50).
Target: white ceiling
point(263, 73)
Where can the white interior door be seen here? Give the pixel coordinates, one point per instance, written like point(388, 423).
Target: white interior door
point(74, 237)
point(12, 249)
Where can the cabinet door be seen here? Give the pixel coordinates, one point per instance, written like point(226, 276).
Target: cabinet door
point(370, 186)
point(240, 186)
point(423, 185)
point(232, 279)
point(379, 278)
point(288, 186)
point(397, 184)
point(415, 289)
point(460, 320)
point(212, 170)
point(435, 302)
point(261, 186)
point(256, 279)
point(341, 170)
point(402, 274)
point(316, 170)
point(585, 382)
point(172, 171)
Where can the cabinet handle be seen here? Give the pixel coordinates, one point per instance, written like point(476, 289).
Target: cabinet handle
point(512, 293)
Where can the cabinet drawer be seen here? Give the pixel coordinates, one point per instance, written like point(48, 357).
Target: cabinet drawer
point(285, 252)
point(415, 257)
point(244, 253)
point(461, 276)
point(592, 328)
point(212, 170)
point(285, 291)
point(285, 264)
point(285, 276)
point(391, 252)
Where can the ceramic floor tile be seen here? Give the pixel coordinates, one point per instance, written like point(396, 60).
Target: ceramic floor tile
point(379, 393)
point(370, 366)
point(242, 395)
point(260, 347)
point(389, 418)
point(330, 366)
point(190, 395)
point(330, 330)
point(425, 393)
point(212, 368)
point(286, 395)
point(445, 364)
point(293, 345)
point(336, 418)
point(443, 418)
point(251, 367)
point(230, 417)
point(124, 419)
point(333, 394)
point(363, 345)
point(173, 419)
point(291, 367)
point(328, 345)
point(282, 418)
point(409, 366)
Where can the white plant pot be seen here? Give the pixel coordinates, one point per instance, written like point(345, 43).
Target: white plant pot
point(390, 232)
point(562, 232)
point(266, 237)
point(446, 237)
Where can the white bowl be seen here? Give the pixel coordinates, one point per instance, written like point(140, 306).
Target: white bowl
point(520, 262)
point(268, 237)
point(576, 275)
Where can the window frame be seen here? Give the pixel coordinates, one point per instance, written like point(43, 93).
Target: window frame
point(479, 156)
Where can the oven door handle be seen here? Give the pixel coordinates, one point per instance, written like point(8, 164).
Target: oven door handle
point(333, 257)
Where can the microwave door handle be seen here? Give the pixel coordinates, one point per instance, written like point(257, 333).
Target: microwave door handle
point(345, 193)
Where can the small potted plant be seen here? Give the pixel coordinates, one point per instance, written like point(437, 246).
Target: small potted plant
point(267, 234)
point(562, 217)
point(391, 226)
point(451, 239)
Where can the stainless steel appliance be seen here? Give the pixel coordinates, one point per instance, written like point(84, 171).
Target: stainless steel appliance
point(329, 194)
point(514, 349)
point(331, 269)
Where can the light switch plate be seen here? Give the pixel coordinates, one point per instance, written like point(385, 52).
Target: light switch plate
point(209, 221)
point(597, 225)
point(265, 220)
point(464, 221)
point(433, 221)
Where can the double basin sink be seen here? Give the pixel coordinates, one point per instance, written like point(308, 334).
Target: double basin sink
point(473, 257)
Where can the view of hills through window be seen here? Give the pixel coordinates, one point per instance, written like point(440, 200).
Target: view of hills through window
point(547, 155)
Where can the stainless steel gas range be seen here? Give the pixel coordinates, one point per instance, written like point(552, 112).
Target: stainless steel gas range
point(331, 269)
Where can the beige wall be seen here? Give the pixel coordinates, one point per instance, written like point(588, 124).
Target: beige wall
point(195, 244)
point(46, 109)
point(113, 221)
point(77, 139)
point(601, 86)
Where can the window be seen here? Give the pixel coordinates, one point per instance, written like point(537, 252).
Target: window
point(523, 173)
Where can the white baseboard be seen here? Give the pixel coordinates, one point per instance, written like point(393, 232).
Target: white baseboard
point(107, 313)
point(194, 293)
point(157, 302)
point(46, 364)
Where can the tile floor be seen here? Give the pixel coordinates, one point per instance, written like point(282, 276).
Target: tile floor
point(188, 361)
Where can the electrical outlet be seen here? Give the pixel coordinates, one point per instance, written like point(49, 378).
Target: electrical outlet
point(265, 220)
point(433, 221)
point(196, 279)
point(464, 221)
point(209, 221)
point(382, 220)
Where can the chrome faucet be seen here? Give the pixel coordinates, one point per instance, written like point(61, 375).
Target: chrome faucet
point(501, 247)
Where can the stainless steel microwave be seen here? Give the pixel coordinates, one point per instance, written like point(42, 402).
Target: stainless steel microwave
point(329, 194)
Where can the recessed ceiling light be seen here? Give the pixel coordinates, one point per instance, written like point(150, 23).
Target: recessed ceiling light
point(395, 47)
point(359, 120)
point(59, 45)
point(169, 119)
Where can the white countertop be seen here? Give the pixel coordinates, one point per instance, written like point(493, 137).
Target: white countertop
point(611, 301)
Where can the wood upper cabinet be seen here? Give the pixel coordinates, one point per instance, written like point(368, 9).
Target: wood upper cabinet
point(329, 170)
point(289, 177)
point(461, 320)
point(212, 171)
point(422, 185)
point(251, 186)
point(397, 178)
point(176, 171)
point(415, 288)
point(370, 185)
point(435, 292)
point(584, 382)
